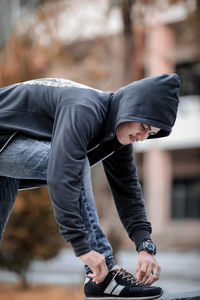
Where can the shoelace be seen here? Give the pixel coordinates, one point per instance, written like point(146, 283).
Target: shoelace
point(128, 276)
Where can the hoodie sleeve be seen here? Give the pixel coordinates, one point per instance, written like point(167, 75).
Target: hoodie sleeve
point(74, 126)
point(122, 176)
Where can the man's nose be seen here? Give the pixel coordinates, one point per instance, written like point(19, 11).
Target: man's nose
point(142, 136)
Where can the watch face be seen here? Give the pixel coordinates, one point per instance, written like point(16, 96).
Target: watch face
point(149, 247)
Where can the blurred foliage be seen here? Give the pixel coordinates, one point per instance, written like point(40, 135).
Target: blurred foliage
point(10, 13)
point(24, 57)
point(31, 233)
point(34, 50)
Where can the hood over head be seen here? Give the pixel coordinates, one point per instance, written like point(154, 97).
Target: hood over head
point(152, 101)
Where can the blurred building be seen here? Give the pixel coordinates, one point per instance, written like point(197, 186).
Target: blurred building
point(170, 168)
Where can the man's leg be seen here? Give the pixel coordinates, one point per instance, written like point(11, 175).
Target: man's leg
point(25, 158)
point(8, 192)
point(22, 158)
point(96, 238)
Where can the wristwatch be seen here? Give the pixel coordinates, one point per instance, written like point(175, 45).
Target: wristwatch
point(147, 246)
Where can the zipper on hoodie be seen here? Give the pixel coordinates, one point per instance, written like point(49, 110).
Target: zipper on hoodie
point(10, 138)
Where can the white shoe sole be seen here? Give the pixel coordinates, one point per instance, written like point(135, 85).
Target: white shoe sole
point(123, 298)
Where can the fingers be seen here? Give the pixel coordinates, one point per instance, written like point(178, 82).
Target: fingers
point(147, 274)
point(154, 276)
point(97, 264)
point(148, 270)
point(141, 272)
point(99, 273)
point(96, 274)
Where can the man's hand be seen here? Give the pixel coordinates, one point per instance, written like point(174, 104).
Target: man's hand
point(146, 266)
point(97, 264)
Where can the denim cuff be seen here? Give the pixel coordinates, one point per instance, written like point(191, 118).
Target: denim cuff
point(110, 262)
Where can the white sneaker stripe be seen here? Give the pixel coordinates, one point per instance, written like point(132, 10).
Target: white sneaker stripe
point(118, 289)
point(86, 280)
point(110, 287)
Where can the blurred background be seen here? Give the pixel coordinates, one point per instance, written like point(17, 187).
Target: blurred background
point(107, 44)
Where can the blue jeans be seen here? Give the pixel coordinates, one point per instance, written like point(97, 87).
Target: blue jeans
point(27, 158)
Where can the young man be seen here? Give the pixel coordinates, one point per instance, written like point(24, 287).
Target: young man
point(52, 131)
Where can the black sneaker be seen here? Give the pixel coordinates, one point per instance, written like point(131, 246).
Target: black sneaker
point(120, 284)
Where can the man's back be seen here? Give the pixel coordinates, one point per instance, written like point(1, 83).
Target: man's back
point(30, 107)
